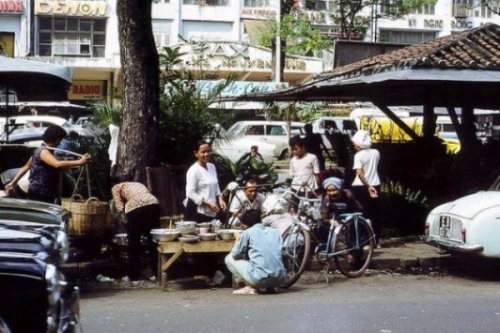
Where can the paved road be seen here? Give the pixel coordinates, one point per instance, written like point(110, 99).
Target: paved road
point(387, 303)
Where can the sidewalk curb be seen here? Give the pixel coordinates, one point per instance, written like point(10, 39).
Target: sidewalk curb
point(394, 256)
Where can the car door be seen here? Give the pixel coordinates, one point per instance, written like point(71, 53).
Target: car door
point(276, 134)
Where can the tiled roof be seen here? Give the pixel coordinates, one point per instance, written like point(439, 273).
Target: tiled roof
point(478, 48)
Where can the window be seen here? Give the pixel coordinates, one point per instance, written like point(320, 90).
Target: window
point(161, 32)
point(275, 130)
point(461, 8)
point(389, 6)
point(73, 37)
point(256, 3)
point(425, 10)
point(482, 11)
point(256, 130)
point(406, 37)
point(206, 2)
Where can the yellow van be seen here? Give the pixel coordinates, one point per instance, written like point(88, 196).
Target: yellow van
point(383, 129)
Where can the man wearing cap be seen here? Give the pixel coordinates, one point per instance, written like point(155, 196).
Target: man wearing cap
point(366, 184)
point(255, 259)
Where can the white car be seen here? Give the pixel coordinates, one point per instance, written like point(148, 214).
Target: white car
point(33, 121)
point(234, 149)
point(264, 131)
point(470, 224)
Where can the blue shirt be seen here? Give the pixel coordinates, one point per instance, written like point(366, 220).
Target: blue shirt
point(261, 245)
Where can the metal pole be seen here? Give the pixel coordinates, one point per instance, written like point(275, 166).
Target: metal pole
point(277, 76)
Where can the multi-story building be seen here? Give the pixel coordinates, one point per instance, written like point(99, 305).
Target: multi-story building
point(84, 34)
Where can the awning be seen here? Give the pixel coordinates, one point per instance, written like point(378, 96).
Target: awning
point(35, 80)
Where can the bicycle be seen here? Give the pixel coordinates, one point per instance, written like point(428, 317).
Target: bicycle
point(350, 242)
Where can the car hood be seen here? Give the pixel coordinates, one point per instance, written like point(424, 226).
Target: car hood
point(244, 142)
point(32, 211)
point(470, 205)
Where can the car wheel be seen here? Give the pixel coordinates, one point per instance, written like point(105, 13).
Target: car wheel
point(284, 155)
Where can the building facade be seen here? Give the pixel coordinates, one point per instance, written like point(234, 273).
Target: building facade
point(84, 34)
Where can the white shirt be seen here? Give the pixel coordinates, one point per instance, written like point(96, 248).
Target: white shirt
point(303, 171)
point(240, 199)
point(367, 159)
point(202, 184)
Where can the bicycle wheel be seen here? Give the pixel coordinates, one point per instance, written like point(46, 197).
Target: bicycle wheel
point(356, 241)
point(295, 253)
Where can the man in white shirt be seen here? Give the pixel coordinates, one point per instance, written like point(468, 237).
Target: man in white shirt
point(304, 169)
point(366, 185)
point(248, 198)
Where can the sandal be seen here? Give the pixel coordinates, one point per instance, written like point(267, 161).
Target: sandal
point(245, 291)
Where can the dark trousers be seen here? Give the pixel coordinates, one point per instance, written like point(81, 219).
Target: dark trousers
point(371, 207)
point(140, 221)
point(32, 195)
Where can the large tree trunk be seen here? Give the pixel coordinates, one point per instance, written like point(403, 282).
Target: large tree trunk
point(139, 60)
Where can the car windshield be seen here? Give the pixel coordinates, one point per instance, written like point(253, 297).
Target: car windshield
point(237, 129)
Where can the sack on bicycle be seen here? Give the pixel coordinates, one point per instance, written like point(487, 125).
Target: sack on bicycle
point(275, 213)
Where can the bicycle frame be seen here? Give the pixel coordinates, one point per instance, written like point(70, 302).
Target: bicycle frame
point(334, 232)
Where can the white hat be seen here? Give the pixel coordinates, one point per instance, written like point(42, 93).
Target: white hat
point(362, 139)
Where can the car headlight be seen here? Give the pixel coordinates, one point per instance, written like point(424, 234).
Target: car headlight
point(55, 287)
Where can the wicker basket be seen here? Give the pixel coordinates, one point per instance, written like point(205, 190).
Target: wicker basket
point(89, 217)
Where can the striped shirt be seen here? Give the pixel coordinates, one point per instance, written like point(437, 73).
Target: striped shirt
point(131, 195)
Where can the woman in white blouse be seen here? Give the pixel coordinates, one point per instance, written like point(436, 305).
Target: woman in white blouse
point(204, 197)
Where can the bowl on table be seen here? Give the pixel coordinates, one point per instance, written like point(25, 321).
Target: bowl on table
point(165, 235)
point(189, 238)
point(226, 234)
point(186, 227)
point(208, 237)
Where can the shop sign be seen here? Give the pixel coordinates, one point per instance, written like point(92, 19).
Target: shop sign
point(238, 88)
point(84, 90)
point(258, 11)
point(435, 24)
point(462, 25)
point(235, 56)
point(70, 8)
point(11, 7)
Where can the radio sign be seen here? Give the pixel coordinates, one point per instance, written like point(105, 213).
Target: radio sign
point(85, 90)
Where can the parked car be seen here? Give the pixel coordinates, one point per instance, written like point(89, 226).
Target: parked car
point(234, 149)
point(34, 296)
point(467, 225)
point(33, 121)
point(26, 211)
point(331, 124)
point(28, 136)
point(270, 132)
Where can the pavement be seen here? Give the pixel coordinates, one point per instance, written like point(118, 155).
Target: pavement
point(396, 255)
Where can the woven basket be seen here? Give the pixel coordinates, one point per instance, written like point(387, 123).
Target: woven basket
point(89, 217)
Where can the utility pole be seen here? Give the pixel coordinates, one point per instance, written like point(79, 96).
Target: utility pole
point(277, 75)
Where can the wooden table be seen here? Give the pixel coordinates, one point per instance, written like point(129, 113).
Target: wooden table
point(176, 249)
